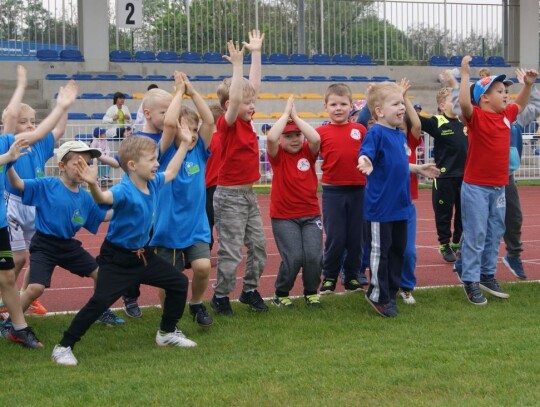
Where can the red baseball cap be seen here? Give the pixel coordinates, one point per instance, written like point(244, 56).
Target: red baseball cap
point(290, 128)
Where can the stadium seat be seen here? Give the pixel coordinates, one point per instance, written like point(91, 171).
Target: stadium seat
point(342, 59)
point(85, 138)
point(307, 115)
point(477, 60)
point(82, 77)
point(57, 77)
point(323, 115)
point(276, 115)
point(338, 78)
point(300, 59)
point(267, 96)
point(71, 55)
point(311, 96)
point(190, 57)
point(287, 94)
point(272, 78)
point(381, 79)
point(167, 56)
point(496, 60)
point(107, 77)
point(78, 116)
point(278, 59)
point(202, 78)
point(358, 96)
point(317, 78)
point(261, 115)
point(455, 60)
point(295, 78)
point(145, 56)
point(138, 95)
point(212, 96)
point(130, 77)
point(47, 55)
point(156, 78)
point(214, 58)
point(363, 59)
point(439, 60)
point(90, 95)
point(134, 115)
point(120, 55)
point(97, 116)
point(321, 59)
point(359, 78)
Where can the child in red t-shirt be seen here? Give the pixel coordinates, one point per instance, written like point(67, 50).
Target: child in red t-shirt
point(483, 202)
point(294, 206)
point(343, 191)
point(236, 210)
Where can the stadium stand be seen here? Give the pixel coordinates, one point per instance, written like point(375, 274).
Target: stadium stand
point(71, 55)
point(478, 60)
point(167, 56)
point(191, 57)
point(120, 55)
point(131, 77)
point(57, 77)
point(496, 60)
point(47, 55)
point(321, 59)
point(145, 56)
point(363, 59)
point(439, 60)
point(342, 59)
point(359, 78)
point(300, 59)
point(455, 60)
point(279, 59)
point(214, 58)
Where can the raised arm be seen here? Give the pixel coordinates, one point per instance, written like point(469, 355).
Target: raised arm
point(416, 126)
point(174, 165)
point(532, 111)
point(170, 122)
point(464, 88)
point(255, 48)
point(272, 138)
point(60, 127)
point(11, 112)
point(89, 174)
point(529, 79)
point(313, 138)
point(207, 126)
point(236, 58)
point(66, 97)
point(15, 151)
point(14, 179)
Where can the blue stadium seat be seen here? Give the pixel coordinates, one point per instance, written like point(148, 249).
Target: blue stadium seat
point(97, 116)
point(132, 77)
point(120, 55)
point(455, 60)
point(279, 59)
point(214, 58)
point(477, 60)
point(202, 78)
point(190, 57)
point(496, 60)
point(47, 55)
point(90, 95)
point(222, 77)
point(300, 59)
point(342, 59)
point(82, 77)
point(382, 79)
point(167, 56)
point(359, 78)
point(71, 55)
point(78, 116)
point(273, 78)
point(363, 59)
point(134, 115)
point(338, 78)
point(57, 77)
point(321, 59)
point(156, 78)
point(439, 60)
point(145, 56)
point(295, 78)
point(317, 78)
point(107, 77)
point(85, 138)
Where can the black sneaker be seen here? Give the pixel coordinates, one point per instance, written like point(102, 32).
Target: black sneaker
point(254, 300)
point(384, 310)
point(491, 286)
point(131, 308)
point(25, 337)
point(328, 286)
point(474, 295)
point(515, 266)
point(199, 313)
point(353, 285)
point(221, 306)
point(447, 253)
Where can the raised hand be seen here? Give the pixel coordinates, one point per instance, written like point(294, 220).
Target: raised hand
point(67, 95)
point(87, 173)
point(465, 68)
point(185, 133)
point(22, 79)
point(179, 83)
point(16, 149)
point(236, 54)
point(405, 85)
point(190, 90)
point(429, 170)
point(255, 41)
point(530, 76)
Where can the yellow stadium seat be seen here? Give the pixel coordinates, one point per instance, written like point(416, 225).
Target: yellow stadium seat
point(307, 115)
point(260, 115)
point(211, 96)
point(138, 96)
point(286, 95)
point(267, 96)
point(358, 96)
point(323, 115)
point(276, 115)
point(311, 96)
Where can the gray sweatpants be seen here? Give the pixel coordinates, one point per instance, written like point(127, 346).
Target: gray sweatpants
point(238, 222)
point(513, 219)
point(299, 242)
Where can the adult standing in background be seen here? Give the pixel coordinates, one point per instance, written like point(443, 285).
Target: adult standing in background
point(117, 114)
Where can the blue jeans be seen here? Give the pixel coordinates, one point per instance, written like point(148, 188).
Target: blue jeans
point(408, 278)
point(482, 210)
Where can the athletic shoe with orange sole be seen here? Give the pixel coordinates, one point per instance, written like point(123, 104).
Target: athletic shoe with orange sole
point(36, 308)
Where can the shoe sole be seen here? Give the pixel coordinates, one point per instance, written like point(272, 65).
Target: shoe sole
point(132, 316)
point(375, 307)
point(13, 339)
point(475, 303)
point(494, 293)
point(326, 292)
point(512, 270)
point(280, 305)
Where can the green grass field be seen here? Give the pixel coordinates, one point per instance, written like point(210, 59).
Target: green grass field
point(441, 352)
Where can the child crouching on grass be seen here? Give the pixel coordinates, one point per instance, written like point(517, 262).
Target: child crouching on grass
point(384, 157)
point(294, 207)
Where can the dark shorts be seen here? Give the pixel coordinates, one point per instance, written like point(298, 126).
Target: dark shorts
point(6, 255)
point(181, 258)
point(47, 252)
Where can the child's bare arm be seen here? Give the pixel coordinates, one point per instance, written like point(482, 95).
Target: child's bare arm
point(174, 165)
point(364, 165)
point(428, 170)
point(464, 88)
point(255, 48)
point(105, 159)
point(313, 138)
point(170, 123)
point(11, 112)
point(66, 97)
point(416, 125)
point(60, 127)
point(272, 138)
point(529, 79)
point(236, 58)
point(207, 119)
point(14, 152)
point(14, 179)
point(89, 174)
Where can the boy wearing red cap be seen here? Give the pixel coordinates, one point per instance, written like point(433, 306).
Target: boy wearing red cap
point(483, 201)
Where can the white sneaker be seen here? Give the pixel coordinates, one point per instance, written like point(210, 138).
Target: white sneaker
point(64, 356)
point(176, 338)
point(407, 297)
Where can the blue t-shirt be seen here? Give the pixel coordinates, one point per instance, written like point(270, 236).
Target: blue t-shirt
point(32, 165)
point(5, 144)
point(181, 219)
point(154, 136)
point(133, 213)
point(59, 211)
point(388, 196)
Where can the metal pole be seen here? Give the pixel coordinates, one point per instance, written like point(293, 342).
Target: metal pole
point(445, 45)
point(301, 28)
point(188, 27)
point(322, 26)
point(385, 39)
point(505, 29)
point(256, 14)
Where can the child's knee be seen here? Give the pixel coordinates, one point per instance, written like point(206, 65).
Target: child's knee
point(35, 290)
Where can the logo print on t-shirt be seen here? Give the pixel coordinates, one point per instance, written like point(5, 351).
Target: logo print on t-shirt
point(355, 134)
point(191, 168)
point(77, 218)
point(507, 122)
point(408, 151)
point(303, 164)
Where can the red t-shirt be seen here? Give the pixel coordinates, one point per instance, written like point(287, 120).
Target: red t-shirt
point(294, 184)
point(489, 145)
point(239, 153)
point(214, 161)
point(412, 142)
point(340, 145)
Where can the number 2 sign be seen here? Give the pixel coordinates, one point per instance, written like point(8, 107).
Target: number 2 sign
point(129, 13)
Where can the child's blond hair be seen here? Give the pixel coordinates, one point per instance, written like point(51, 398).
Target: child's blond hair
point(23, 107)
point(189, 114)
point(484, 71)
point(216, 110)
point(153, 95)
point(442, 95)
point(131, 147)
point(378, 93)
point(338, 89)
point(225, 87)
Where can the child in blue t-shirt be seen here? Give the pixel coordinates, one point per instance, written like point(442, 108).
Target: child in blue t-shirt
point(53, 244)
point(384, 157)
point(181, 230)
point(125, 259)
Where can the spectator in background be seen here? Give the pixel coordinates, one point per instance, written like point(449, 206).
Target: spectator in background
point(118, 114)
point(266, 168)
point(100, 143)
point(140, 120)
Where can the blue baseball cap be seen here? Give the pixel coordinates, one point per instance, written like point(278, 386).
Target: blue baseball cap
point(98, 131)
point(484, 84)
point(266, 127)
